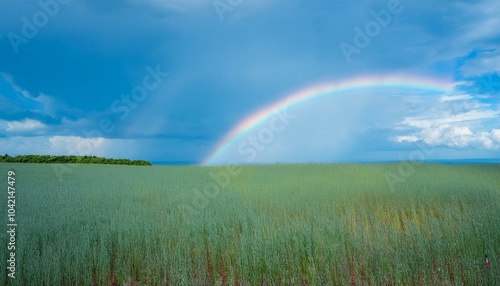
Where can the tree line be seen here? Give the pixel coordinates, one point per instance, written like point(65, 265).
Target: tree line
point(70, 160)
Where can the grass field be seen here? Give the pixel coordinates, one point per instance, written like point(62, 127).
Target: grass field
point(266, 225)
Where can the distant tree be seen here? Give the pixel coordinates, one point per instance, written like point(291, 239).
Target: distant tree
point(6, 158)
point(43, 159)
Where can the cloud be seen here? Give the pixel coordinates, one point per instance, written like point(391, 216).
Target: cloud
point(20, 102)
point(495, 135)
point(484, 63)
point(450, 136)
point(407, 138)
point(444, 119)
point(26, 126)
point(455, 97)
point(483, 20)
point(50, 145)
point(470, 126)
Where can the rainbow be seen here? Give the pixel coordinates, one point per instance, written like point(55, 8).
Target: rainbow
point(322, 90)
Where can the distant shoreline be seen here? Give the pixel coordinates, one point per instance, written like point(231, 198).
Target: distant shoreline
point(70, 159)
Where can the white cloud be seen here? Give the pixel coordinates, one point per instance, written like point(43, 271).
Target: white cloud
point(443, 124)
point(453, 137)
point(407, 138)
point(445, 118)
point(484, 137)
point(449, 136)
point(495, 135)
point(27, 125)
point(455, 97)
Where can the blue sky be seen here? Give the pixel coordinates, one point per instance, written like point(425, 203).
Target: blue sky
point(166, 80)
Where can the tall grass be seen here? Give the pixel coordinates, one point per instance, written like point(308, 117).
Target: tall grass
point(272, 225)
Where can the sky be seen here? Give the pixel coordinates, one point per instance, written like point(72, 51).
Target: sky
point(196, 81)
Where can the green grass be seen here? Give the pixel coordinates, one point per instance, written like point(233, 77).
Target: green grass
point(270, 225)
